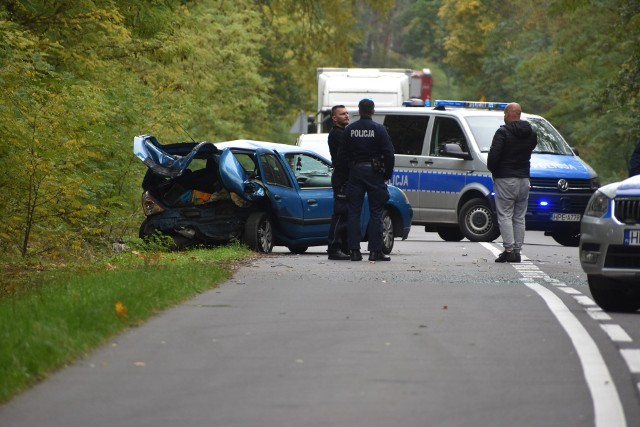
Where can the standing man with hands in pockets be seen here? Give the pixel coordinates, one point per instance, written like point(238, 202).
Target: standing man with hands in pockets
point(368, 153)
point(509, 161)
point(338, 227)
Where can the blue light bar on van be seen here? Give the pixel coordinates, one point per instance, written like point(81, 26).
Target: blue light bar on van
point(471, 104)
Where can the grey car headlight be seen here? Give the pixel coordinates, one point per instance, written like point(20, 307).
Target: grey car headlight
point(598, 205)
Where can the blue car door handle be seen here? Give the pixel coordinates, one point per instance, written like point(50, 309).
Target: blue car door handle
point(312, 201)
point(277, 197)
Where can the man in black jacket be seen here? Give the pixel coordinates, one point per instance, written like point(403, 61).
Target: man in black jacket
point(338, 228)
point(509, 161)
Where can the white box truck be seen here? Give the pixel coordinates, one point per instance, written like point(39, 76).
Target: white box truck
point(388, 87)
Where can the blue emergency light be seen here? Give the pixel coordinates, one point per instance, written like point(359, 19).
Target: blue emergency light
point(471, 104)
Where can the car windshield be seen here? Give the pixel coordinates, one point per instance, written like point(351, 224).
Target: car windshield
point(549, 140)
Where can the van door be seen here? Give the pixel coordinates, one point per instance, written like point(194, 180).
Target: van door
point(407, 133)
point(443, 177)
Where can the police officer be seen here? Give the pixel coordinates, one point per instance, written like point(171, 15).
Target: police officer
point(368, 153)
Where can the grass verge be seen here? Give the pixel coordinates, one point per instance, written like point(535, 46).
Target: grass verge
point(57, 317)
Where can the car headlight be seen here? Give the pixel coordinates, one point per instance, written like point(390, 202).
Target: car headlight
point(598, 205)
point(595, 183)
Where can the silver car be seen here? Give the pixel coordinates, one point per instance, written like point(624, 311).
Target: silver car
point(610, 245)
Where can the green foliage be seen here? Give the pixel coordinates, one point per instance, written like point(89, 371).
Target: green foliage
point(80, 78)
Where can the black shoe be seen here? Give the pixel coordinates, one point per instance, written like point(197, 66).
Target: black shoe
point(378, 256)
point(508, 257)
point(356, 255)
point(338, 256)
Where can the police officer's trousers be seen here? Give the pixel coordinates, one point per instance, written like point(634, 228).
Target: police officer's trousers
point(363, 179)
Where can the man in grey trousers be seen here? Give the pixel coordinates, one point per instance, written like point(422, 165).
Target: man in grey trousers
point(509, 161)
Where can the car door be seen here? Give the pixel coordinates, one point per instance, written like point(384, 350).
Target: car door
point(313, 179)
point(286, 204)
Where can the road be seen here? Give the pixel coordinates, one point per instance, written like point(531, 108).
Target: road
point(439, 336)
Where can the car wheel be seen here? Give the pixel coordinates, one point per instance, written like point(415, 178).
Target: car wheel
point(258, 232)
point(387, 232)
point(611, 296)
point(567, 239)
point(149, 233)
point(477, 221)
point(450, 234)
point(298, 249)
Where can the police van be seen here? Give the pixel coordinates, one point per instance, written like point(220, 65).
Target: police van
point(441, 164)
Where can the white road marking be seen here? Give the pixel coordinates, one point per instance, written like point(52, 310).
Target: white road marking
point(607, 407)
point(584, 300)
point(571, 291)
point(606, 402)
point(616, 333)
point(596, 313)
point(632, 357)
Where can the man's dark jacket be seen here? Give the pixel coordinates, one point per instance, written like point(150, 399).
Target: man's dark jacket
point(340, 170)
point(510, 153)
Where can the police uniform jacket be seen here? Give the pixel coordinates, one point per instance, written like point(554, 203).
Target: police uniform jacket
point(365, 140)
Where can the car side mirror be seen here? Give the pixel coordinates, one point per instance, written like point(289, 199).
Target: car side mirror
point(454, 150)
point(575, 151)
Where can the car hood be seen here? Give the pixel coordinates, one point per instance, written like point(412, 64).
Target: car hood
point(233, 176)
point(630, 187)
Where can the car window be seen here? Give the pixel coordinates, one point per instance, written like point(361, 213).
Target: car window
point(407, 133)
point(248, 163)
point(549, 140)
point(274, 172)
point(310, 171)
point(446, 130)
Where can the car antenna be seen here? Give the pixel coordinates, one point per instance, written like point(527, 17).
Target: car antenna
point(185, 131)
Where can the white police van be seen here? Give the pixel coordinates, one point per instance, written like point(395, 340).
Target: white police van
point(441, 164)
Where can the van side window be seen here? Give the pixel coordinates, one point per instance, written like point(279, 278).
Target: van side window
point(407, 133)
point(446, 131)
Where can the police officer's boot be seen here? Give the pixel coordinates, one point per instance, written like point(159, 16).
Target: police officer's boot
point(378, 256)
point(356, 255)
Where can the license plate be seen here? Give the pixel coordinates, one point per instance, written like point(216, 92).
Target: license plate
point(565, 217)
point(632, 237)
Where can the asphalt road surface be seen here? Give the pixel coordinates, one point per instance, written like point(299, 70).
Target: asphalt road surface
point(439, 336)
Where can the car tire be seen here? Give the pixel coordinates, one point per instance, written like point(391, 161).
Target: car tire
point(567, 239)
point(149, 233)
point(258, 232)
point(298, 249)
point(450, 234)
point(388, 236)
point(612, 296)
point(477, 221)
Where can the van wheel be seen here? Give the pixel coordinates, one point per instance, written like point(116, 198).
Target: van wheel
point(258, 232)
point(450, 234)
point(478, 222)
point(387, 232)
point(567, 239)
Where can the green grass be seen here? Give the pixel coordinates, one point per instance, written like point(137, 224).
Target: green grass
point(53, 317)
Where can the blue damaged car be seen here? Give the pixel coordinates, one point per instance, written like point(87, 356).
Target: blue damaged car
point(610, 245)
point(260, 193)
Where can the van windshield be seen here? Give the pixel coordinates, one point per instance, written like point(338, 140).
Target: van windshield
point(549, 140)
